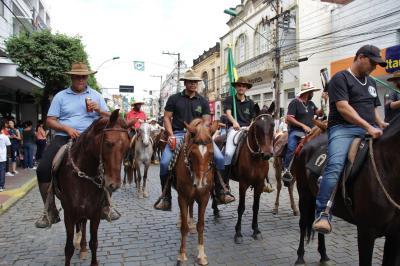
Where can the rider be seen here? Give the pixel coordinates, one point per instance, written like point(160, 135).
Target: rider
point(301, 111)
point(184, 107)
point(353, 102)
point(135, 116)
point(245, 113)
point(69, 117)
point(392, 106)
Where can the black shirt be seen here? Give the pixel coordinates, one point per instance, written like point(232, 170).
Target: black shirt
point(244, 110)
point(390, 113)
point(304, 113)
point(185, 109)
point(363, 98)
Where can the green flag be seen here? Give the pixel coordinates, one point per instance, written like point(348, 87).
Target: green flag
point(232, 75)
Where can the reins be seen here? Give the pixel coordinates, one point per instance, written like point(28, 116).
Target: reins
point(258, 152)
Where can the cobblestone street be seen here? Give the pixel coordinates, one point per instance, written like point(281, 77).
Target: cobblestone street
point(144, 236)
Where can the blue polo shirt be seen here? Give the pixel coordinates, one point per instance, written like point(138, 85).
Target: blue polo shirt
point(70, 109)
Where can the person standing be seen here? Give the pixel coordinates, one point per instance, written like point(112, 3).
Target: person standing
point(15, 138)
point(392, 106)
point(353, 102)
point(28, 143)
point(4, 143)
point(41, 140)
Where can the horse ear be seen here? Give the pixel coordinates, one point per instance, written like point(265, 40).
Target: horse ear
point(271, 108)
point(191, 129)
point(114, 117)
point(256, 109)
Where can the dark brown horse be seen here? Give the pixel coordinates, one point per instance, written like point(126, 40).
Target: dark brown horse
point(194, 181)
point(374, 193)
point(251, 169)
point(87, 176)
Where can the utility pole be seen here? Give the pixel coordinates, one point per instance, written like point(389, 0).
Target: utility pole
point(159, 99)
point(178, 85)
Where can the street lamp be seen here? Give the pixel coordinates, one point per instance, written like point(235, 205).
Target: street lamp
point(159, 99)
point(108, 60)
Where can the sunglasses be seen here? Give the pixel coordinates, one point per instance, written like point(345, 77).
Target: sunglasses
point(79, 77)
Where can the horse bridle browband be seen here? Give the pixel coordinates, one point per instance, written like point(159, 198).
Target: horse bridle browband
point(258, 152)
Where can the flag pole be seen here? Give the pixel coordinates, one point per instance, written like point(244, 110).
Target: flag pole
point(232, 74)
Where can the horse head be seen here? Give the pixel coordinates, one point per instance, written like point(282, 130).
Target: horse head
point(260, 134)
point(144, 132)
point(199, 151)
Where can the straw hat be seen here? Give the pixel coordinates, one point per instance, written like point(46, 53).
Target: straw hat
point(306, 87)
point(190, 75)
point(80, 69)
point(396, 76)
point(243, 81)
point(137, 102)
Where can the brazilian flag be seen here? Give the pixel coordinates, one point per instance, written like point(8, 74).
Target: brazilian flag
point(232, 75)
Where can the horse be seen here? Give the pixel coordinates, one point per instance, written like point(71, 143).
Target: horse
point(280, 140)
point(374, 192)
point(87, 175)
point(193, 181)
point(143, 150)
point(251, 168)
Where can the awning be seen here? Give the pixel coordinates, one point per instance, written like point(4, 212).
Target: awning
point(15, 80)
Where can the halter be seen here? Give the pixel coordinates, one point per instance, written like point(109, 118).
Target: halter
point(259, 151)
point(97, 180)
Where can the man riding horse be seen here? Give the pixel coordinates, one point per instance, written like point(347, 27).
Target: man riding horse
point(135, 117)
point(301, 111)
point(182, 108)
point(72, 111)
point(244, 115)
point(353, 102)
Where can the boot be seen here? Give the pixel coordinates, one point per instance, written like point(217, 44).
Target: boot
point(164, 202)
point(322, 224)
point(51, 215)
point(287, 178)
point(110, 214)
point(223, 196)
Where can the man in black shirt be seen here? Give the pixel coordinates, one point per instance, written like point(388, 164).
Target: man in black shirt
point(183, 107)
point(392, 106)
point(352, 101)
point(301, 111)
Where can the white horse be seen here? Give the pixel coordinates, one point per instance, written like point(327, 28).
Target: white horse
point(143, 148)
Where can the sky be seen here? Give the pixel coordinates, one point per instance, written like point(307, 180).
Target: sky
point(140, 30)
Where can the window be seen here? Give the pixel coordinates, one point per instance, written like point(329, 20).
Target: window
point(240, 49)
point(1, 9)
point(267, 98)
point(204, 77)
point(256, 98)
point(261, 44)
point(213, 79)
point(291, 94)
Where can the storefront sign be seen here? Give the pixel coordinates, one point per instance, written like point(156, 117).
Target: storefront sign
point(260, 77)
point(393, 59)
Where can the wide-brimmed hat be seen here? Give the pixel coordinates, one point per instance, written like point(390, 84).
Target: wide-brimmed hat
point(306, 87)
point(396, 76)
point(137, 102)
point(190, 75)
point(243, 81)
point(80, 69)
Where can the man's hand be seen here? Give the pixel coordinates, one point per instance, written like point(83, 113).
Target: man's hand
point(383, 125)
point(236, 126)
point(306, 129)
point(374, 132)
point(73, 133)
point(94, 106)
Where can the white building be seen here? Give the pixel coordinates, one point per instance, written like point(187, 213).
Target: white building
point(16, 88)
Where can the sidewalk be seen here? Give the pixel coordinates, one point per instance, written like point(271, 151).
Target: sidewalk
point(16, 187)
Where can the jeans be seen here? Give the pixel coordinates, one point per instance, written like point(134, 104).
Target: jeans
point(2, 174)
point(14, 150)
point(293, 139)
point(28, 154)
point(340, 138)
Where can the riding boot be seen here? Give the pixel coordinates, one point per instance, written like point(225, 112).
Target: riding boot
point(222, 190)
point(50, 215)
point(109, 213)
point(164, 202)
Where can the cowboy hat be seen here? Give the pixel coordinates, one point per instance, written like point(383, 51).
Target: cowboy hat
point(80, 69)
point(190, 75)
point(396, 76)
point(243, 81)
point(306, 87)
point(137, 102)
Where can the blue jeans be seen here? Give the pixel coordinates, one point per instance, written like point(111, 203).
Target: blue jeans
point(340, 138)
point(28, 154)
point(293, 139)
point(2, 174)
point(167, 156)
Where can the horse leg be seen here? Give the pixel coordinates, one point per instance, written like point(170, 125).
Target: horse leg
point(214, 206)
point(292, 202)
point(69, 245)
point(307, 209)
point(238, 228)
point(78, 236)
point(391, 252)
point(278, 177)
point(256, 205)
point(192, 226)
point(183, 206)
point(145, 192)
point(366, 243)
point(94, 226)
point(84, 252)
point(138, 179)
point(201, 257)
point(322, 249)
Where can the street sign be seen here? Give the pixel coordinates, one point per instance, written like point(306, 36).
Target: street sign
point(126, 88)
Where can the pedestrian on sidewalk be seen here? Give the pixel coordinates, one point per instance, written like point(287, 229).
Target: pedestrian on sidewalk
point(41, 136)
point(28, 139)
point(5, 132)
point(4, 143)
point(15, 138)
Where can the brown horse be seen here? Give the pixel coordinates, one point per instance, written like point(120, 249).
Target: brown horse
point(374, 193)
point(251, 169)
point(88, 175)
point(194, 181)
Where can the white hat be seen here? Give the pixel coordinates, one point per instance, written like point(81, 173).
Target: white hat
point(306, 87)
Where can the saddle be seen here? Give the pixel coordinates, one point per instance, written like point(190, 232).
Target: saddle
point(56, 163)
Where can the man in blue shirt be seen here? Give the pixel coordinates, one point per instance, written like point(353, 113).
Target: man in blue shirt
point(69, 117)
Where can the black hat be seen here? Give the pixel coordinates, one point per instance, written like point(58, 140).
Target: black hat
point(373, 53)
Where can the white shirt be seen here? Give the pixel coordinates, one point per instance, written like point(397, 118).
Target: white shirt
point(4, 142)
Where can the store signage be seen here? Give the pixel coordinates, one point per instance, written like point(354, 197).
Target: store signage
point(393, 59)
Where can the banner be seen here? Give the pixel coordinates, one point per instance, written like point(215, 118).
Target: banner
point(232, 76)
point(138, 65)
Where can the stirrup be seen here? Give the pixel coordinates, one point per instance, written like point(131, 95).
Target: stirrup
point(287, 178)
point(320, 229)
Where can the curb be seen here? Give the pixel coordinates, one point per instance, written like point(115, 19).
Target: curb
point(16, 194)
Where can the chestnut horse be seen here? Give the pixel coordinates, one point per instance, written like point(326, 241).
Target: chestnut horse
point(87, 175)
point(251, 169)
point(194, 173)
point(374, 193)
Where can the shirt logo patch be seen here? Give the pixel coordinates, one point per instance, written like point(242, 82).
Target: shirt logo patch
point(198, 109)
point(372, 91)
point(246, 111)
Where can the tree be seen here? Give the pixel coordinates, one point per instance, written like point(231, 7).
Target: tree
point(48, 56)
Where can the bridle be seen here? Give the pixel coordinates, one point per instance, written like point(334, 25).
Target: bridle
point(258, 152)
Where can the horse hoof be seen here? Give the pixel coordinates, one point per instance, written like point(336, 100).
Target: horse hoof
point(275, 211)
point(83, 255)
point(300, 262)
point(324, 261)
point(145, 194)
point(202, 261)
point(181, 259)
point(296, 213)
point(257, 236)
point(140, 195)
point(216, 213)
point(95, 263)
point(238, 239)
